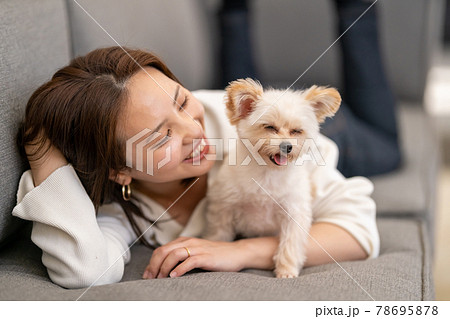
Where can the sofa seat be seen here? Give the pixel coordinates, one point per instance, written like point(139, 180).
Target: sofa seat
point(402, 272)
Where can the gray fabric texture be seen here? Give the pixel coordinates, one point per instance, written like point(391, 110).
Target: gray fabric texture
point(402, 272)
point(33, 44)
point(178, 31)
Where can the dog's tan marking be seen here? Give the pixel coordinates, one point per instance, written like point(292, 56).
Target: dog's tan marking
point(240, 98)
point(326, 101)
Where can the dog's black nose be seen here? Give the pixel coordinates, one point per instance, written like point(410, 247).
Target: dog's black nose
point(285, 147)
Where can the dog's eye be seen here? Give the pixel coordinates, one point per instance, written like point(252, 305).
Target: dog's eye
point(271, 128)
point(295, 132)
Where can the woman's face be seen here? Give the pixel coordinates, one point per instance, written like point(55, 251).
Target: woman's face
point(164, 125)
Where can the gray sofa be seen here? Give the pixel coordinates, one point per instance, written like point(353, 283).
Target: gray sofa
point(38, 37)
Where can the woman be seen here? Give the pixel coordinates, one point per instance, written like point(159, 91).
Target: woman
point(78, 190)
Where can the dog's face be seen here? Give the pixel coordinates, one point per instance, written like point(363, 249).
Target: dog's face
point(283, 120)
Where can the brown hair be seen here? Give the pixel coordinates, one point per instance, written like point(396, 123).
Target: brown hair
point(78, 111)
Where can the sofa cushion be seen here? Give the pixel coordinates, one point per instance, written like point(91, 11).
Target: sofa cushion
point(34, 42)
point(402, 272)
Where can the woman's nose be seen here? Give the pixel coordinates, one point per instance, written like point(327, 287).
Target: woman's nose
point(192, 130)
point(193, 121)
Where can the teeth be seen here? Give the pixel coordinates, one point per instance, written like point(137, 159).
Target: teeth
point(198, 150)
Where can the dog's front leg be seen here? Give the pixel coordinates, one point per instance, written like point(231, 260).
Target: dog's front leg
point(291, 254)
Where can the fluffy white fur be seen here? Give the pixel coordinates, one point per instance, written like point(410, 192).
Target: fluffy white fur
point(236, 203)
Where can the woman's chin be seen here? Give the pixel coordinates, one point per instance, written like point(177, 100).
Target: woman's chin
point(200, 167)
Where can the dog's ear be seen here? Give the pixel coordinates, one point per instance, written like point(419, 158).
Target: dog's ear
point(241, 98)
point(326, 101)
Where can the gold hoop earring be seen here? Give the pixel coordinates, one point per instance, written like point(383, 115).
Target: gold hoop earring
point(126, 192)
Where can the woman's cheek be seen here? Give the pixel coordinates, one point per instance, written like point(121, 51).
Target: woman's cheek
point(168, 157)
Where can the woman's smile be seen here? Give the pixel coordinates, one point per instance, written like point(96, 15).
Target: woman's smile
point(199, 151)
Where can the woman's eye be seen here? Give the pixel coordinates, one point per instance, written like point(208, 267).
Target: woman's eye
point(183, 105)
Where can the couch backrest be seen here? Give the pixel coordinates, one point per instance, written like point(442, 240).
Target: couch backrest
point(33, 44)
point(177, 31)
point(289, 35)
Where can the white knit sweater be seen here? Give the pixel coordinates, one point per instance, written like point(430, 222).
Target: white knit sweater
point(80, 248)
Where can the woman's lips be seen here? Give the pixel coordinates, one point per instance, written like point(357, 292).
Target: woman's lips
point(201, 154)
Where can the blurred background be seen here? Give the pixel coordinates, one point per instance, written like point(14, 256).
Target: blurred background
point(437, 101)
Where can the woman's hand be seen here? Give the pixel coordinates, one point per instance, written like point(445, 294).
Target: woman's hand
point(43, 163)
point(205, 254)
point(250, 252)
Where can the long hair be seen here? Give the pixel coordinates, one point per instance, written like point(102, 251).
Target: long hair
point(78, 111)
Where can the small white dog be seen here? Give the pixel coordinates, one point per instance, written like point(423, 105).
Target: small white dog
point(269, 195)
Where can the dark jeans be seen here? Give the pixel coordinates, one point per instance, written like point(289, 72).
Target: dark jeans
point(236, 51)
point(365, 127)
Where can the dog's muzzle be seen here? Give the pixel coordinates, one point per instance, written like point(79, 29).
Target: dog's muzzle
point(281, 158)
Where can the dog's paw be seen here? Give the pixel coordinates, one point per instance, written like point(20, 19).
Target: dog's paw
point(285, 272)
point(286, 275)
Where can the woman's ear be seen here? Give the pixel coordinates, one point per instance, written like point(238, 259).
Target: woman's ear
point(122, 177)
point(241, 98)
point(325, 100)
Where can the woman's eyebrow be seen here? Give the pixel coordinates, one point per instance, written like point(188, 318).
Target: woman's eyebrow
point(160, 125)
point(176, 95)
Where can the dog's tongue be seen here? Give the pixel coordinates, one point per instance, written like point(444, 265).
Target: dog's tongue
point(280, 159)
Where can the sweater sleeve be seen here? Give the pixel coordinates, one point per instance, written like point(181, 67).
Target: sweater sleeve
point(78, 248)
point(345, 202)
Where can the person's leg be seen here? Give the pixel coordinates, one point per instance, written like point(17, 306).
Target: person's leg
point(367, 91)
point(235, 54)
point(368, 141)
point(363, 151)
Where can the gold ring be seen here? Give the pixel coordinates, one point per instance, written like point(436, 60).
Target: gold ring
point(189, 253)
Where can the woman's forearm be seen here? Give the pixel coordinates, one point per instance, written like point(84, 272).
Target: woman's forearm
point(44, 164)
point(335, 240)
